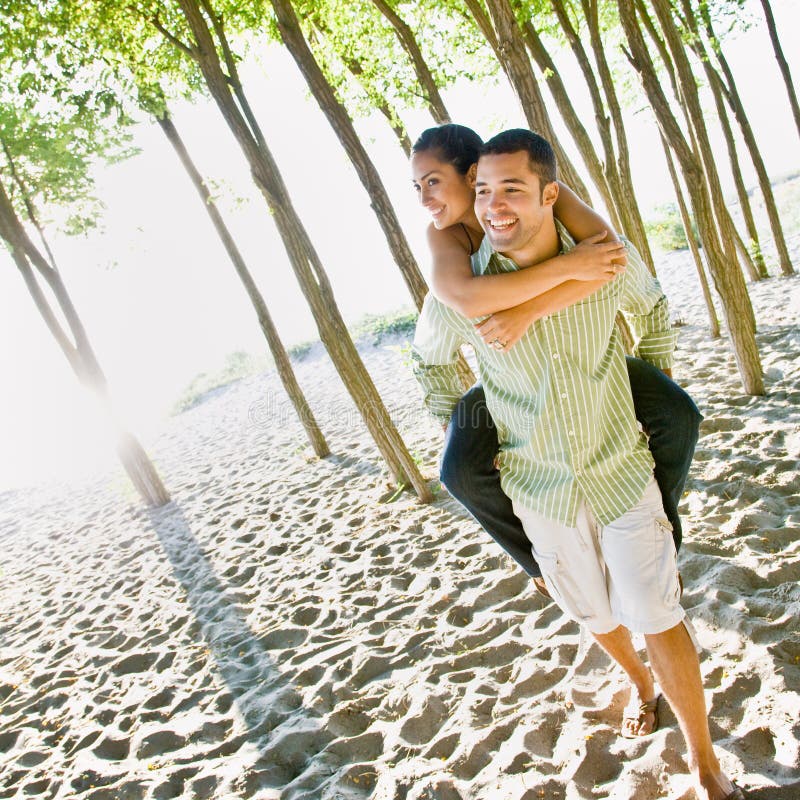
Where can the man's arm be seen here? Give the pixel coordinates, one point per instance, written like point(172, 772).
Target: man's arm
point(439, 334)
point(645, 307)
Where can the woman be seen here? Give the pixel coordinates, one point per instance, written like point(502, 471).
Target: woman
point(443, 164)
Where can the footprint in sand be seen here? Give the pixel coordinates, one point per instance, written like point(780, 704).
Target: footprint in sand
point(425, 721)
point(159, 743)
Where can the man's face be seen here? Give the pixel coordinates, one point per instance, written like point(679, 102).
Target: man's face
point(509, 204)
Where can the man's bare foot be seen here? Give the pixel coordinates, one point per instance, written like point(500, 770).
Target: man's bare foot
point(714, 784)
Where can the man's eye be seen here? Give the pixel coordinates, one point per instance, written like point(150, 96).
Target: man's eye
point(432, 182)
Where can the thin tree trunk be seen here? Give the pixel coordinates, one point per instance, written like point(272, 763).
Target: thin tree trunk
point(735, 102)
point(505, 37)
point(692, 241)
point(382, 104)
point(279, 354)
point(781, 59)
point(79, 352)
point(634, 224)
point(689, 98)
point(425, 77)
point(305, 263)
point(727, 277)
point(579, 134)
point(340, 121)
point(356, 69)
point(758, 269)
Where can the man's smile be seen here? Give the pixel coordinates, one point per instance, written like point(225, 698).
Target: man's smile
point(501, 224)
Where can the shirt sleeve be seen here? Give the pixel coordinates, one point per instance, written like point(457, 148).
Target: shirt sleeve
point(434, 356)
point(645, 307)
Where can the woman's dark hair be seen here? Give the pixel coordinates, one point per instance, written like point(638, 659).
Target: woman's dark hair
point(453, 144)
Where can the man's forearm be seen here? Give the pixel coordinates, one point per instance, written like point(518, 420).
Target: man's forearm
point(562, 296)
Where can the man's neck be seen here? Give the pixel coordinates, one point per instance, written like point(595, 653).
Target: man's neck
point(547, 244)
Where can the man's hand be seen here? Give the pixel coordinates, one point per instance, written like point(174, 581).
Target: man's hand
point(593, 259)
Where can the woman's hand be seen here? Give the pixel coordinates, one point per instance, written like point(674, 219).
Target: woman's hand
point(593, 259)
point(503, 329)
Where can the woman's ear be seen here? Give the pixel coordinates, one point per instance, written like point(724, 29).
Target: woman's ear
point(472, 174)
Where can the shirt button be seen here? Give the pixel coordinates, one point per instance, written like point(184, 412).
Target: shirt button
point(572, 433)
point(563, 395)
point(555, 355)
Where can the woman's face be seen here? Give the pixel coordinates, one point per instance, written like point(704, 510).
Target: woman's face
point(447, 195)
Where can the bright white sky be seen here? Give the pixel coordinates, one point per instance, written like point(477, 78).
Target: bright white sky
point(158, 295)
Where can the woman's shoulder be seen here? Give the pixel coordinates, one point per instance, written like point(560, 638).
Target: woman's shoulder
point(451, 238)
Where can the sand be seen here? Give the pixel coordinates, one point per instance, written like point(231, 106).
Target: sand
point(287, 629)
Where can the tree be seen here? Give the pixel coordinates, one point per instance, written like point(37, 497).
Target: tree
point(735, 102)
point(294, 39)
point(505, 37)
point(47, 158)
point(228, 94)
point(782, 63)
point(278, 351)
point(718, 248)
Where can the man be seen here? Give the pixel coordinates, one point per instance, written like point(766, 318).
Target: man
point(572, 458)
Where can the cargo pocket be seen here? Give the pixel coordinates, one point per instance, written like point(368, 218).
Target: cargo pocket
point(667, 560)
point(563, 587)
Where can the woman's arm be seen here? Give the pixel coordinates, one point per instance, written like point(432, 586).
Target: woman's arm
point(595, 258)
point(475, 295)
point(579, 219)
point(510, 325)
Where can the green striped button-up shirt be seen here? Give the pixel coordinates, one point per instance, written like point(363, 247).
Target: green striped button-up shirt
point(560, 397)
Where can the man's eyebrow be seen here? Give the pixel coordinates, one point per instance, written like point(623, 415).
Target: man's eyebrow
point(519, 181)
point(417, 180)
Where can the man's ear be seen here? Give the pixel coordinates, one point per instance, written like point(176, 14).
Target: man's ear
point(472, 174)
point(550, 193)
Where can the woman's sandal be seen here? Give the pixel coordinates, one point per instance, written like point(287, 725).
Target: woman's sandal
point(639, 717)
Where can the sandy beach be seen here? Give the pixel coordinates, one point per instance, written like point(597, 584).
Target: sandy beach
point(290, 629)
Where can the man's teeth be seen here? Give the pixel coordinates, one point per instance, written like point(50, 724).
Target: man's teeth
point(501, 224)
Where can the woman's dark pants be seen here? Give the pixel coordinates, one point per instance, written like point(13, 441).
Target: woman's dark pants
point(668, 415)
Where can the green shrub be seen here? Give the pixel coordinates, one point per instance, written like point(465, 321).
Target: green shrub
point(379, 326)
point(666, 231)
point(236, 366)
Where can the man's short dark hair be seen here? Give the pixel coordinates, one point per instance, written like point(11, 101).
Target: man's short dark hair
point(541, 158)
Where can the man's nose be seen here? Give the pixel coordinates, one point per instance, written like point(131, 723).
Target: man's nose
point(494, 202)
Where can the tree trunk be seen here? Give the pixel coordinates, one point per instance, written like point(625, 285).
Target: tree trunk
point(755, 260)
point(425, 77)
point(692, 241)
point(633, 224)
point(781, 59)
point(735, 102)
point(79, 354)
point(305, 263)
point(340, 121)
point(379, 101)
point(505, 37)
point(279, 354)
point(689, 98)
point(382, 104)
point(579, 134)
point(727, 277)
